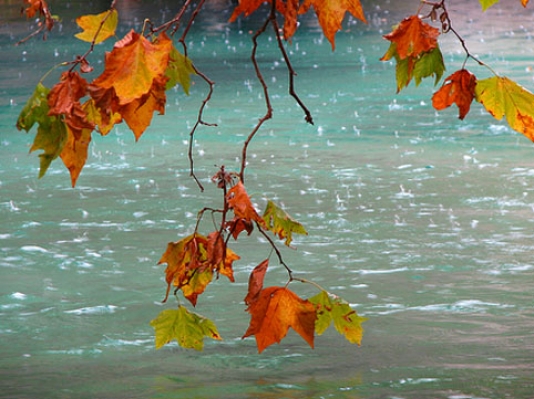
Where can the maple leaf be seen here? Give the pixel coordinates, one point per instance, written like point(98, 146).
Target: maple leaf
point(101, 119)
point(188, 328)
point(247, 7)
point(503, 97)
point(98, 27)
point(74, 153)
point(277, 309)
point(346, 320)
point(133, 64)
point(330, 14)
point(413, 37)
point(220, 257)
point(279, 222)
point(422, 66)
point(255, 282)
point(184, 260)
point(138, 113)
point(64, 99)
point(244, 211)
point(179, 71)
point(458, 88)
point(51, 131)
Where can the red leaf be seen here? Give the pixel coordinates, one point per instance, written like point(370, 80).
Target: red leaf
point(458, 88)
point(255, 282)
point(412, 37)
point(277, 309)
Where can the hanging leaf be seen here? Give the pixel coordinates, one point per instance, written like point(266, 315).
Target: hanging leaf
point(74, 153)
point(503, 97)
point(280, 223)
point(346, 320)
point(255, 282)
point(330, 14)
point(187, 328)
point(133, 65)
point(184, 260)
point(458, 88)
point(219, 257)
point(244, 211)
point(104, 24)
point(179, 71)
point(277, 309)
point(247, 7)
point(413, 37)
point(51, 131)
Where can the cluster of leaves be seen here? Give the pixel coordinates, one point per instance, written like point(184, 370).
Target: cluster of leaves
point(193, 261)
point(138, 71)
point(131, 88)
point(414, 46)
point(142, 66)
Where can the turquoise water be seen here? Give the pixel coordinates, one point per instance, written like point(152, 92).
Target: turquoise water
point(424, 223)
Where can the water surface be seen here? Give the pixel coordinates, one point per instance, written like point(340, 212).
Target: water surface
point(424, 223)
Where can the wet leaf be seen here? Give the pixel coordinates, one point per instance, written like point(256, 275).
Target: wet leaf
point(104, 23)
point(133, 65)
point(51, 131)
point(277, 309)
point(219, 257)
point(244, 211)
point(179, 71)
point(346, 320)
point(330, 14)
point(424, 65)
point(184, 259)
point(247, 7)
point(458, 88)
point(280, 223)
point(187, 328)
point(504, 97)
point(74, 153)
point(412, 37)
point(255, 282)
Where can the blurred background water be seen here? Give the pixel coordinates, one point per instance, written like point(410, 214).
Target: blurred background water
point(423, 222)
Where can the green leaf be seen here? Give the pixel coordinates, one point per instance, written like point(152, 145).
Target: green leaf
point(503, 97)
point(279, 222)
point(429, 64)
point(91, 24)
point(35, 110)
point(179, 70)
point(188, 328)
point(51, 132)
point(346, 320)
point(487, 4)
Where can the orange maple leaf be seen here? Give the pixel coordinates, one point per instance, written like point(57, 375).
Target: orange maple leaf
point(74, 153)
point(184, 259)
point(133, 65)
point(219, 256)
point(413, 37)
point(330, 14)
point(247, 7)
point(458, 88)
point(244, 211)
point(64, 99)
point(277, 309)
point(255, 282)
point(138, 113)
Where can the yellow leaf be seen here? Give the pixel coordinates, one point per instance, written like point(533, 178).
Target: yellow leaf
point(97, 27)
point(188, 328)
point(503, 97)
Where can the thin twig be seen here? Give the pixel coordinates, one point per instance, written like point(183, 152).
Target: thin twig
point(291, 74)
point(269, 113)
